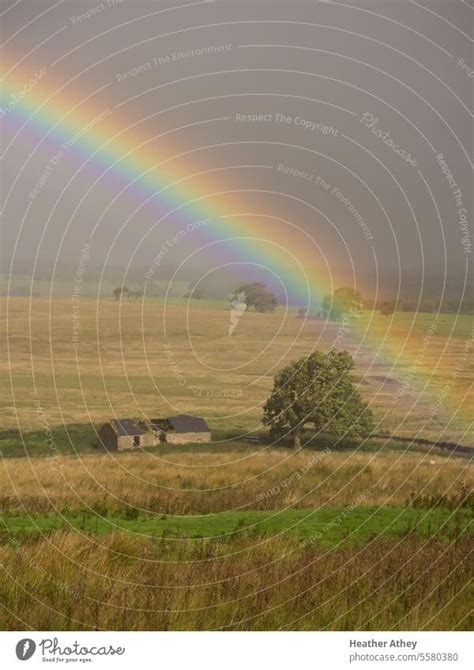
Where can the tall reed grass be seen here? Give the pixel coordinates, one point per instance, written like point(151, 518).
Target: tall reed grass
point(120, 582)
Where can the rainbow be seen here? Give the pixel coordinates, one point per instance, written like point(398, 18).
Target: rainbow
point(126, 161)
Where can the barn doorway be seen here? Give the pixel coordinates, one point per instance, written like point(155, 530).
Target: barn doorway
point(136, 440)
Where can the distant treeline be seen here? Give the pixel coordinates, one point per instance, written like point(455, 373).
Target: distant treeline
point(23, 286)
point(449, 306)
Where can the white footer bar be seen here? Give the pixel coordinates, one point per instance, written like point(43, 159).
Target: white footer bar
point(237, 650)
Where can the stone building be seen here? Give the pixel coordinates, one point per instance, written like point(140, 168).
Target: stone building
point(181, 429)
point(122, 434)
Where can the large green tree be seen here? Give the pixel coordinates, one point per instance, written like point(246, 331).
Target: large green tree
point(257, 296)
point(317, 390)
point(343, 301)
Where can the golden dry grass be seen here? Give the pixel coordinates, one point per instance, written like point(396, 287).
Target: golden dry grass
point(118, 582)
point(120, 366)
point(207, 481)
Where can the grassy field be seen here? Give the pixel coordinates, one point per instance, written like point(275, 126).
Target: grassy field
point(202, 481)
point(373, 535)
point(119, 581)
point(329, 527)
point(156, 358)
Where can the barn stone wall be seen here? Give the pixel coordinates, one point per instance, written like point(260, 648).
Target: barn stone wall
point(111, 441)
point(126, 441)
point(149, 440)
point(185, 438)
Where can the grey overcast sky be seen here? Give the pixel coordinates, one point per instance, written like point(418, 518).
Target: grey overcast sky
point(363, 96)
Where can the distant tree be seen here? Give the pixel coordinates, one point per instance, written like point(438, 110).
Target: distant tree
point(257, 296)
point(120, 292)
point(342, 301)
point(304, 313)
point(317, 390)
point(198, 294)
point(388, 307)
point(133, 295)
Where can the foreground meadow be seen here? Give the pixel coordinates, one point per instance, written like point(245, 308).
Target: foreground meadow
point(121, 582)
point(236, 540)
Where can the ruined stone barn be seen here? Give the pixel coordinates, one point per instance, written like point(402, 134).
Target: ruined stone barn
point(182, 429)
point(122, 434)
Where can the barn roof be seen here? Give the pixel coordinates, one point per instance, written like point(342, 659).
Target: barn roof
point(126, 427)
point(185, 423)
point(162, 424)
